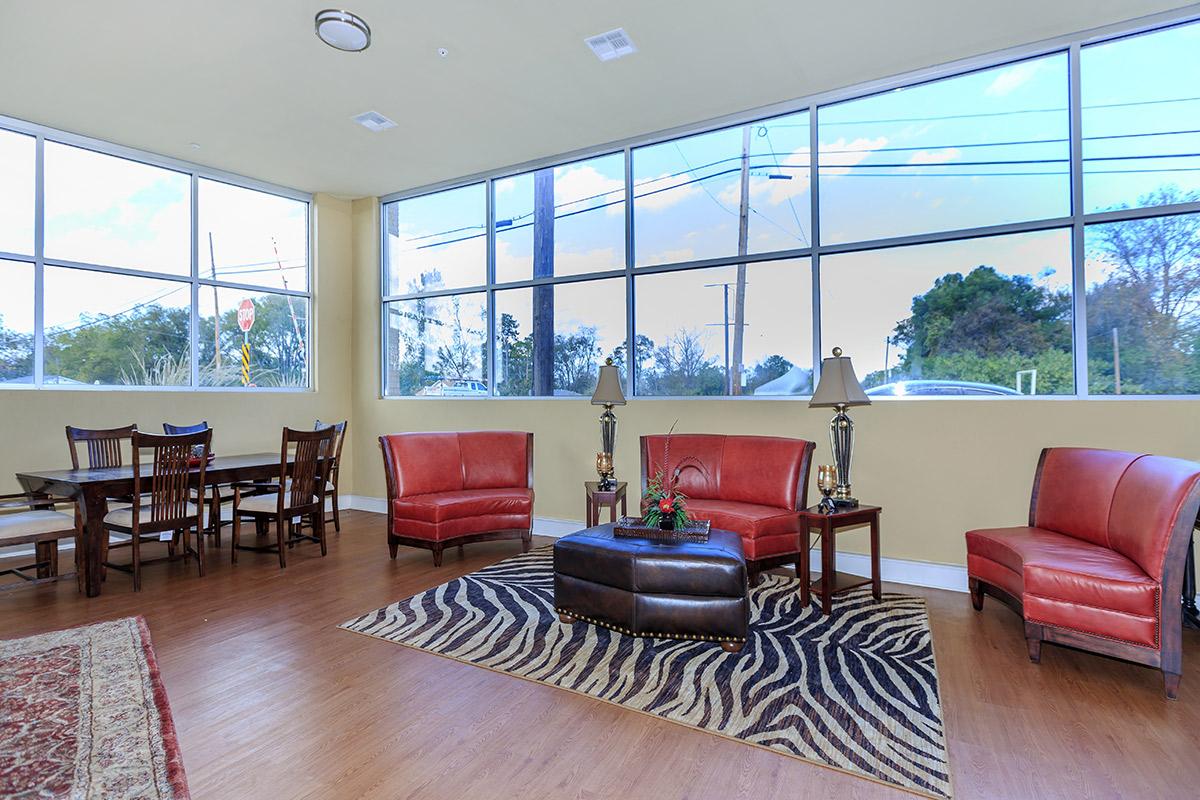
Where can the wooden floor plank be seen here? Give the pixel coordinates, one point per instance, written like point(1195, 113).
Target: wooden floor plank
point(273, 701)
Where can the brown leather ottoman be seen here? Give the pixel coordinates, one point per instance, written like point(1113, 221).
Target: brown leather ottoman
point(662, 590)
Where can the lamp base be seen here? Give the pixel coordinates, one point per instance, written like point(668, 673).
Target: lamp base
point(608, 483)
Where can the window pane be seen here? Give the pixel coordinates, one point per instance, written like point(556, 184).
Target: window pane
point(106, 210)
point(688, 193)
point(278, 339)
point(437, 346)
point(980, 149)
point(1143, 306)
point(577, 209)
point(559, 347)
point(16, 322)
point(687, 332)
point(1140, 112)
point(17, 166)
point(252, 237)
point(437, 241)
point(116, 329)
point(980, 316)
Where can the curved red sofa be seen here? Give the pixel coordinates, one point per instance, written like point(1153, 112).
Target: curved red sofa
point(1100, 564)
point(451, 489)
point(754, 486)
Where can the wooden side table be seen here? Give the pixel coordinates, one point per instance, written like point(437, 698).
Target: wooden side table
point(598, 499)
point(831, 581)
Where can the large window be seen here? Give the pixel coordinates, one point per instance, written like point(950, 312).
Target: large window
point(125, 290)
point(957, 235)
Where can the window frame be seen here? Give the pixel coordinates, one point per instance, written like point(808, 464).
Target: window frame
point(194, 280)
point(1076, 221)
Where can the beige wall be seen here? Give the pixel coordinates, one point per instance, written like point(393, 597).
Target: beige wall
point(939, 467)
point(33, 420)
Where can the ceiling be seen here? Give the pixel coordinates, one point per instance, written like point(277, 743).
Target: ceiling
point(263, 97)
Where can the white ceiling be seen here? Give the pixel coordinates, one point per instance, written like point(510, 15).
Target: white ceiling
point(265, 98)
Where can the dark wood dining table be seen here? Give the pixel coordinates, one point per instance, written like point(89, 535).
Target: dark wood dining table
point(91, 489)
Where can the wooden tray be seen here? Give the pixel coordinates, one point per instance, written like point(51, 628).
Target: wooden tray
point(634, 528)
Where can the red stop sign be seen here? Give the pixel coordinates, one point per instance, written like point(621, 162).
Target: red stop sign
point(246, 315)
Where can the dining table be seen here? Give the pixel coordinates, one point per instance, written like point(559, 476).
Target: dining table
point(91, 488)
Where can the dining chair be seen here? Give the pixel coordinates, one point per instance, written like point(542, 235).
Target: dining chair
point(32, 519)
point(220, 492)
point(104, 448)
point(300, 495)
point(339, 439)
point(168, 503)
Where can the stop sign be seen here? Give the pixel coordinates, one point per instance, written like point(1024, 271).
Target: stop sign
point(246, 315)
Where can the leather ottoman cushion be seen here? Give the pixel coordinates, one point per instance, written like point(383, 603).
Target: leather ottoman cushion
point(715, 568)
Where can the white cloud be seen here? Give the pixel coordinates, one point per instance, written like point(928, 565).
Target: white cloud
point(576, 182)
point(662, 200)
point(837, 157)
point(672, 256)
point(1013, 78)
point(935, 156)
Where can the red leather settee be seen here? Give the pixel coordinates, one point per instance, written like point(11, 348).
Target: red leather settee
point(1100, 564)
point(751, 485)
point(448, 489)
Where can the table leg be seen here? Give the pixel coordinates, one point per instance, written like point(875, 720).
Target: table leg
point(91, 565)
point(624, 508)
point(876, 578)
point(803, 568)
point(612, 517)
point(828, 568)
point(588, 512)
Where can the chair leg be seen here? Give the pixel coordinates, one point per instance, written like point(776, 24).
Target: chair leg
point(42, 556)
point(337, 514)
point(200, 549)
point(235, 538)
point(214, 519)
point(527, 541)
point(137, 561)
point(320, 526)
point(281, 527)
point(393, 547)
point(976, 589)
point(437, 555)
point(1171, 685)
point(1033, 638)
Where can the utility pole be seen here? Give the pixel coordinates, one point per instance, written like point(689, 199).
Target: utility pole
point(887, 352)
point(543, 295)
point(725, 325)
point(212, 260)
point(739, 303)
point(1117, 360)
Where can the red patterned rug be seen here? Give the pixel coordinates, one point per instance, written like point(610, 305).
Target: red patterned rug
point(83, 713)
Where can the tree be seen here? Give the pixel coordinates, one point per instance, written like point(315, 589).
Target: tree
point(458, 358)
point(16, 353)
point(681, 367)
point(576, 359)
point(767, 370)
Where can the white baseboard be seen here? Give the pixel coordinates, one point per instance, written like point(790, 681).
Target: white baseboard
point(895, 570)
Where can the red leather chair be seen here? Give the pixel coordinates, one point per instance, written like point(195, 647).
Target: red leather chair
point(754, 486)
point(456, 488)
point(1100, 564)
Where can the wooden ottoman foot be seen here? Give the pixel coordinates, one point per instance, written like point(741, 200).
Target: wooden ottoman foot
point(732, 647)
point(566, 619)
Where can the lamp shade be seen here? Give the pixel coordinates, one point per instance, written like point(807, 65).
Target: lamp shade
point(839, 385)
point(608, 387)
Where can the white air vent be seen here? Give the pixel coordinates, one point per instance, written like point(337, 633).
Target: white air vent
point(374, 121)
point(613, 44)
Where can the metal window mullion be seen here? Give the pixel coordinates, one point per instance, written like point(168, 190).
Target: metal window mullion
point(1078, 273)
point(814, 238)
point(194, 324)
point(630, 326)
point(381, 217)
point(39, 266)
point(490, 279)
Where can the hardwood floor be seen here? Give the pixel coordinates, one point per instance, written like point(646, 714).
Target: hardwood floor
point(272, 700)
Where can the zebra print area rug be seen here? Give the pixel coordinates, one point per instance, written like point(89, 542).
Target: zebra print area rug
point(856, 691)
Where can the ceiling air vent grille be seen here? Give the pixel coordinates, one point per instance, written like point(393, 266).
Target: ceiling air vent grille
point(374, 121)
point(613, 44)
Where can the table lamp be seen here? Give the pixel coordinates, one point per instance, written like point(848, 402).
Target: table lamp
point(839, 388)
point(608, 394)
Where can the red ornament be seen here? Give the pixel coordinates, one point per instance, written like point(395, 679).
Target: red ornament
point(666, 505)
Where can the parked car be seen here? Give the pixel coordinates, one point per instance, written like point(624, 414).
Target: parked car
point(935, 388)
point(455, 387)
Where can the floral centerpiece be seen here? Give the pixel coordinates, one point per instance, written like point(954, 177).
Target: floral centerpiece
point(663, 505)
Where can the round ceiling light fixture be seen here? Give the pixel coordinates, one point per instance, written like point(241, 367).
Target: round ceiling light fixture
point(343, 30)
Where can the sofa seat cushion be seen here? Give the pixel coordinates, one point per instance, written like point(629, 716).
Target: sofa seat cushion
point(447, 506)
point(765, 530)
point(1069, 582)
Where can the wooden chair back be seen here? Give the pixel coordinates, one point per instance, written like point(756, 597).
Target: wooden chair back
point(339, 438)
point(169, 484)
point(103, 446)
point(175, 430)
point(312, 456)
